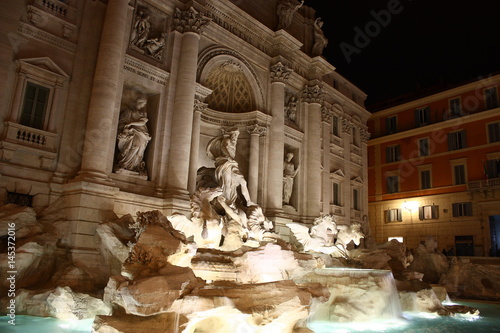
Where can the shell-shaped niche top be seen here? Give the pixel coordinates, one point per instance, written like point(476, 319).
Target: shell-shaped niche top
point(231, 90)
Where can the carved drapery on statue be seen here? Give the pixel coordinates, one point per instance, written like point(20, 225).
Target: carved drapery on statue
point(320, 41)
point(285, 10)
point(223, 214)
point(132, 139)
point(289, 173)
point(148, 35)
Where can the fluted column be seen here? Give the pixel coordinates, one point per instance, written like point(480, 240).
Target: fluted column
point(253, 169)
point(189, 23)
point(102, 108)
point(279, 74)
point(199, 106)
point(327, 186)
point(347, 188)
point(313, 96)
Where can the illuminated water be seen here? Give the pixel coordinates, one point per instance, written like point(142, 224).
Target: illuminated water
point(487, 322)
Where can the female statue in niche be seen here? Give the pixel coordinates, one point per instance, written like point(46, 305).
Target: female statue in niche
point(133, 137)
point(289, 173)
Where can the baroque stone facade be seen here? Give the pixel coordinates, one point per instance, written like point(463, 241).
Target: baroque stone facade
point(70, 68)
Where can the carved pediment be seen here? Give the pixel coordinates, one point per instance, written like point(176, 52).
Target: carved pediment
point(43, 63)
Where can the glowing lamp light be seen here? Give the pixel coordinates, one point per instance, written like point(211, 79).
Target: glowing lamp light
point(410, 205)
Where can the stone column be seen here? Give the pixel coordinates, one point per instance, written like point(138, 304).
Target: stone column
point(102, 109)
point(189, 23)
point(326, 117)
point(279, 74)
point(347, 188)
point(199, 106)
point(253, 169)
point(313, 96)
point(365, 136)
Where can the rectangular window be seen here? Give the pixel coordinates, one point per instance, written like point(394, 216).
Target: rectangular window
point(422, 116)
point(391, 124)
point(462, 209)
point(399, 239)
point(492, 169)
point(335, 125)
point(457, 140)
point(491, 98)
point(393, 215)
point(19, 199)
point(392, 154)
point(336, 194)
point(423, 147)
point(355, 199)
point(35, 105)
point(428, 212)
point(494, 132)
point(459, 174)
point(455, 107)
point(355, 137)
point(392, 183)
point(425, 179)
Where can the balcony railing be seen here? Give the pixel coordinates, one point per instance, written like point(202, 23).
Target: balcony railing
point(483, 184)
point(31, 137)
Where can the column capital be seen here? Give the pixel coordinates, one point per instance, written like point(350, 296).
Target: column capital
point(312, 94)
point(257, 130)
point(346, 125)
point(279, 72)
point(189, 21)
point(326, 114)
point(199, 106)
point(365, 135)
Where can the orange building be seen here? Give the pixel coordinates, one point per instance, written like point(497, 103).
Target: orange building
point(434, 170)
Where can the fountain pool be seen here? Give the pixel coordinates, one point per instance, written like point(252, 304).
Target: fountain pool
point(488, 321)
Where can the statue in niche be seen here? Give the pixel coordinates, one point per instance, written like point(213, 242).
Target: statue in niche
point(285, 11)
point(141, 29)
point(320, 41)
point(155, 46)
point(222, 150)
point(291, 109)
point(289, 173)
point(133, 138)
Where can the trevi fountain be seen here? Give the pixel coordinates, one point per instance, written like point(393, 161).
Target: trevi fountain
point(223, 269)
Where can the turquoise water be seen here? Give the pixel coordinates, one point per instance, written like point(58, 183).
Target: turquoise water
point(487, 322)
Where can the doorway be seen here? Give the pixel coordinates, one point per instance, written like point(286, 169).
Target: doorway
point(495, 235)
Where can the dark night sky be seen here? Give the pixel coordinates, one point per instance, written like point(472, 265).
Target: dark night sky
point(426, 44)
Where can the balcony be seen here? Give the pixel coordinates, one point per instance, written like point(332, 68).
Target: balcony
point(485, 184)
point(22, 143)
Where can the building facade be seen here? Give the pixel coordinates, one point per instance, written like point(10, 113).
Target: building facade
point(434, 169)
point(108, 108)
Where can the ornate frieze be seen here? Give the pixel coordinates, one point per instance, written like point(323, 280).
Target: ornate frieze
point(45, 37)
point(279, 72)
point(312, 94)
point(230, 24)
point(145, 70)
point(189, 20)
